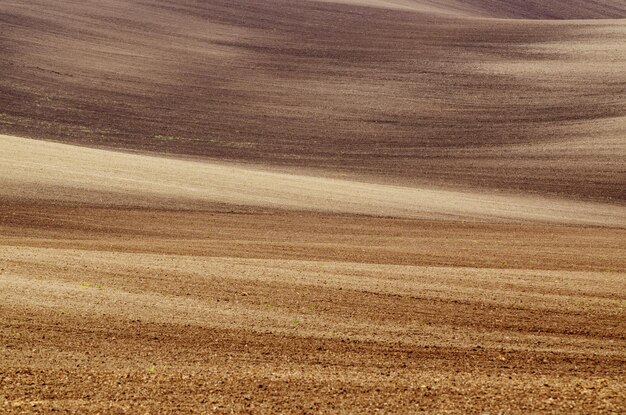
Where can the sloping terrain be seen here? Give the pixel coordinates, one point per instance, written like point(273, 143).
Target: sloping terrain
point(553, 9)
point(105, 178)
point(293, 206)
point(386, 93)
point(511, 9)
point(127, 310)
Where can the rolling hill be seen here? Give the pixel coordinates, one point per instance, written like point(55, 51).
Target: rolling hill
point(298, 206)
point(443, 95)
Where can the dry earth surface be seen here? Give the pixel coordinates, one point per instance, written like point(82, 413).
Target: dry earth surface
point(434, 94)
point(293, 206)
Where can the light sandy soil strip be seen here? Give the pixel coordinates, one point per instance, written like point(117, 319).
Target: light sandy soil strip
point(29, 167)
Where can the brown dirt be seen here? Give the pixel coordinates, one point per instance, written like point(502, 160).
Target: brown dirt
point(384, 93)
point(136, 310)
point(361, 206)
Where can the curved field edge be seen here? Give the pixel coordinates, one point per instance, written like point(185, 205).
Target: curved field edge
point(34, 170)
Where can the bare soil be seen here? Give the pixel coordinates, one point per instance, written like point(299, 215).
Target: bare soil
point(141, 310)
point(439, 92)
point(283, 206)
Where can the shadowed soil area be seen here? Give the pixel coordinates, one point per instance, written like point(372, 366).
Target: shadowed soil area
point(430, 93)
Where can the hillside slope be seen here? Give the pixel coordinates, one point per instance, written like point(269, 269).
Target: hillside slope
point(389, 94)
point(50, 172)
point(511, 9)
point(296, 206)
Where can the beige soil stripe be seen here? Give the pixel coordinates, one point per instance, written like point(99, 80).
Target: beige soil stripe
point(47, 170)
